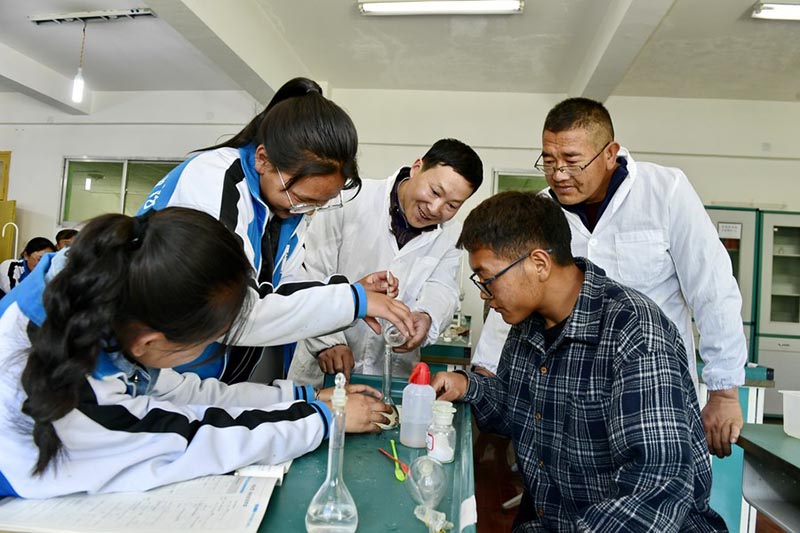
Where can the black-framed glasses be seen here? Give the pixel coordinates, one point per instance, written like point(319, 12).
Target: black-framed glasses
point(302, 209)
point(569, 170)
point(484, 285)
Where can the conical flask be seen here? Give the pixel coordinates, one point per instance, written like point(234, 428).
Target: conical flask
point(332, 508)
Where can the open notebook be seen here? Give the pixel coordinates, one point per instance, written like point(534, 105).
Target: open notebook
point(217, 504)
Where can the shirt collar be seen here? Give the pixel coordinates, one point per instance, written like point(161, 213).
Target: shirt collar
point(619, 175)
point(401, 229)
point(584, 321)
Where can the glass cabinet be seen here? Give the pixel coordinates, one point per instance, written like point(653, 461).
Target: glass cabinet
point(780, 275)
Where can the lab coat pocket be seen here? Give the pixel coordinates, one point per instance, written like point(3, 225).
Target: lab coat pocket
point(642, 257)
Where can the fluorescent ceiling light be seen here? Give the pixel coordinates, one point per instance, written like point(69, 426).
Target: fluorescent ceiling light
point(774, 11)
point(442, 7)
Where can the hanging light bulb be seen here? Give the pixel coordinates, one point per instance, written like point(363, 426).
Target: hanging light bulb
point(77, 82)
point(77, 87)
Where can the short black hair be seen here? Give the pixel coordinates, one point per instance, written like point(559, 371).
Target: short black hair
point(457, 155)
point(65, 234)
point(583, 113)
point(511, 224)
point(38, 243)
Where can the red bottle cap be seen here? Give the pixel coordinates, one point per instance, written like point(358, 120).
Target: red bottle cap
point(421, 375)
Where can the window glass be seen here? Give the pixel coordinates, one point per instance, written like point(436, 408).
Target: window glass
point(519, 181)
point(95, 187)
point(92, 188)
point(142, 176)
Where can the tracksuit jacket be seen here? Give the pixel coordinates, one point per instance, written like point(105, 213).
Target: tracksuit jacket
point(136, 428)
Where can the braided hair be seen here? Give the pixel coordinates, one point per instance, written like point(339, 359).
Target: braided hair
point(177, 271)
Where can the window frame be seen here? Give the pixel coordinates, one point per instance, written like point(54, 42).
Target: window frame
point(497, 173)
point(60, 218)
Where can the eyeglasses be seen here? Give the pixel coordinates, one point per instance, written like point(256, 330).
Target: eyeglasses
point(569, 170)
point(484, 285)
point(302, 209)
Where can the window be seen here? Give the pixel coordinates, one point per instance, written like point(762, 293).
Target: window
point(92, 187)
point(519, 180)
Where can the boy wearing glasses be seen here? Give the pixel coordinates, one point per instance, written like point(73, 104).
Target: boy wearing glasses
point(593, 387)
point(402, 224)
point(646, 227)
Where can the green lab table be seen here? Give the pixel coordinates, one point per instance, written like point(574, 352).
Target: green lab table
point(771, 477)
point(383, 502)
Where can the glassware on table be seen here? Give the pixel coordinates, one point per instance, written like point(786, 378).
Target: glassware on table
point(332, 508)
point(392, 337)
point(427, 484)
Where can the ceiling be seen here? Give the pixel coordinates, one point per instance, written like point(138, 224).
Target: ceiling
point(665, 48)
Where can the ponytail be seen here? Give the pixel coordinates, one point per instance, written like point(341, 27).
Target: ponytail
point(177, 271)
point(304, 134)
point(291, 89)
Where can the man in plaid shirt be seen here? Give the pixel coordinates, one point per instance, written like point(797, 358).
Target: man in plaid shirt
point(592, 386)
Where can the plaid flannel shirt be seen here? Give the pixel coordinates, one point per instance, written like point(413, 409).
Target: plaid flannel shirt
point(605, 422)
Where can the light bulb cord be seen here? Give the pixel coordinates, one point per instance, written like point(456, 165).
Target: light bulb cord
point(83, 45)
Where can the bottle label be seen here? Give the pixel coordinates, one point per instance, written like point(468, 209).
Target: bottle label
point(429, 441)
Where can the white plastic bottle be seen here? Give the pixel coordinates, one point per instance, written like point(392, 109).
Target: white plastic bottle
point(417, 413)
point(441, 433)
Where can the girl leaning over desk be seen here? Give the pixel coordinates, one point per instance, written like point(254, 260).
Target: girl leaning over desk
point(90, 402)
point(292, 159)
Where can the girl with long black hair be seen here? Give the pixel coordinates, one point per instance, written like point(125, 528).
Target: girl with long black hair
point(294, 158)
point(87, 342)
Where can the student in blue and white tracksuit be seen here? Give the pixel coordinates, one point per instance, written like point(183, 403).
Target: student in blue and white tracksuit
point(291, 160)
point(13, 271)
point(90, 403)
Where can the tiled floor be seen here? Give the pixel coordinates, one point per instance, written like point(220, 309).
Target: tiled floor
point(495, 483)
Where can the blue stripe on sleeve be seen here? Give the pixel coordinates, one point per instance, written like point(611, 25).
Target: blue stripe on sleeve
point(326, 415)
point(304, 392)
point(360, 300)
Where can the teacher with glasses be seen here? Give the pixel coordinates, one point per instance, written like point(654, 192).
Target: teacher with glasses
point(646, 227)
point(292, 159)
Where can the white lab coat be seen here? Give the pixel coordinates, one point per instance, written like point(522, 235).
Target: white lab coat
point(356, 241)
point(656, 236)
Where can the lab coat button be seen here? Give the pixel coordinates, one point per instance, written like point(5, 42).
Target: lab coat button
point(592, 242)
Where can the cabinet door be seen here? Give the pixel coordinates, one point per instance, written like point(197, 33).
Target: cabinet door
point(783, 356)
point(737, 231)
point(780, 275)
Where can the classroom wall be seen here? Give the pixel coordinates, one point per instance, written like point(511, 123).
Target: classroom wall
point(734, 152)
point(153, 125)
point(742, 153)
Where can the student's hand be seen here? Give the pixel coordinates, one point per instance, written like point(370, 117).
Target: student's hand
point(362, 412)
point(382, 306)
point(722, 420)
point(449, 386)
point(422, 323)
point(325, 395)
point(382, 281)
point(335, 359)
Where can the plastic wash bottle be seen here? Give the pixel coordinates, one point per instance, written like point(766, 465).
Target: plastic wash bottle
point(417, 413)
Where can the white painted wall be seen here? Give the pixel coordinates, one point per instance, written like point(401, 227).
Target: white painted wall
point(734, 152)
point(164, 125)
